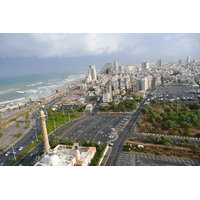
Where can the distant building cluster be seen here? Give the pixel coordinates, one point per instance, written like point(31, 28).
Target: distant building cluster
point(115, 80)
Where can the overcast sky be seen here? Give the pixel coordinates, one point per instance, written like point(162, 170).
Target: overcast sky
point(22, 51)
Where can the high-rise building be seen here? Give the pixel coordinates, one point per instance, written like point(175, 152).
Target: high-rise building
point(159, 63)
point(92, 72)
point(180, 61)
point(116, 66)
point(145, 65)
point(107, 93)
point(107, 68)
point(188, 59)
point(121, 68)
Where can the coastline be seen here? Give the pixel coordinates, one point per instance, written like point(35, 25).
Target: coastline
point(63, 89)
point(74, 79)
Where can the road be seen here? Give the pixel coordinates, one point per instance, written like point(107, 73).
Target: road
point(27, 139)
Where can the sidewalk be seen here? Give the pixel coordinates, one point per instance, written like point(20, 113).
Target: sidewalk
point(103, 163)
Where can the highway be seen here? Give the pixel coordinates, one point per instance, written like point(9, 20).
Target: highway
point(27, 139)
point(117, 147)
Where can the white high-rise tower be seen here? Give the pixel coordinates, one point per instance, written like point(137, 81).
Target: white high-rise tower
point(92, 72)
point(116, 66)
point(188, 59)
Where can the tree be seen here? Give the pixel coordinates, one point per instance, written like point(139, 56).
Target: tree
point(151, 137)
point(144, 110)
point(187, 131)
point(186, 141)
point(194, 147)
point(169, 124)
point(193, 106)
point(197, 135)
point(75, 113)
point(151, 128)
point(153, 101)
point(139, 124)
point(171, 131)
point(18, 125)
point(167, 108)
point(159, 130)
point(181, 131)
point(185, 125)
point(19, 135)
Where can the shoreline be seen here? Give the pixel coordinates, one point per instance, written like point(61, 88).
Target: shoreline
point(61, 90)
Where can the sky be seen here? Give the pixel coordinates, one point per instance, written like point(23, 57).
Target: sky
point(40, 52)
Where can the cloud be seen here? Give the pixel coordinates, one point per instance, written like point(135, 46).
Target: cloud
point(65, 45)
point(56, 45)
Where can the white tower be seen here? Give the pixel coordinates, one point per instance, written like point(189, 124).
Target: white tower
point(44, 130)
point(92, 72)
point(188, 59)
point(116, 66)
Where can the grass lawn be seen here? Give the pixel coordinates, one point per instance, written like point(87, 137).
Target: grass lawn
point(176, 119)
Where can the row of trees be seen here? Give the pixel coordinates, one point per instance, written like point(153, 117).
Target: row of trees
point(127, 105)
point(58, 118)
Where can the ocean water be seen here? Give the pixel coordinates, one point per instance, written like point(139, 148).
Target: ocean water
point(22, 88)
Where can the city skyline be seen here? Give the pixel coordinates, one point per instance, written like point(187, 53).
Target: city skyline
point(32, 53)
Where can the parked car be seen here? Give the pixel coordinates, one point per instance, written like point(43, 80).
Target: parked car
point(20, 148)
point(110, 144)
point(98, 143)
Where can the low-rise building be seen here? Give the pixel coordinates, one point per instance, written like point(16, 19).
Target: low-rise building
point(62, 155)
point(89, 108)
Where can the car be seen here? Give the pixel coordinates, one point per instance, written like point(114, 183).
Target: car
point(33, 137)
point(32, 154)
point(1, 164)
point(22, 159)
point(98, 143)
point(20, 148)
point(111, 136)
point(100, 132)
point(110, 144)
point(7, 153)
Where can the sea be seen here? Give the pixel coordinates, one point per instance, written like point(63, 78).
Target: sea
point(23, 88)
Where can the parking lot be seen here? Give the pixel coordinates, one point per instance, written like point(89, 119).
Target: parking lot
point(138, 159)
point(96, 128)
point(177, 92)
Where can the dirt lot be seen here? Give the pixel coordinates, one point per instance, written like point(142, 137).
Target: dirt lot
point(174, 151)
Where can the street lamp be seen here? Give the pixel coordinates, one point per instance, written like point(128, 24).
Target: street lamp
point(13, 152)
point(36, 134)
